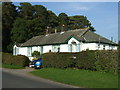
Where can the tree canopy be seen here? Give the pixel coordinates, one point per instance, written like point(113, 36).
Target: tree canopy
point(9, 14)
point(27, 20)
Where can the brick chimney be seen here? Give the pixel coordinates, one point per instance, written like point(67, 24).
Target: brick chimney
point(63, 28)
point(55, 30)
point(47, 31)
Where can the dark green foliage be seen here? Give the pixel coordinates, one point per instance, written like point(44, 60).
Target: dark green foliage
point(105, 61)
point(58, 60)
point(63, 19)
point(52, 20)
point(85, 60)
point(19, 31)
point(26, 10)
point(36, 54)
point(15, 60)
point(77, 22)
point(9, 14)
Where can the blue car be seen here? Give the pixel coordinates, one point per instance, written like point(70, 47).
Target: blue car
point(37, 64)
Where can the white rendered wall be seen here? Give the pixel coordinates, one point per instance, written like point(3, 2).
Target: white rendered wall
point(90, 46)
point(47, 48)
point(94, 46)
point(115, 47)
point(64, 48)
point(23, 51)
point(34, 48)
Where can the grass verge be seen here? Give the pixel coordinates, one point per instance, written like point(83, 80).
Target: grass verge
point(12, 66)
point(81, 78)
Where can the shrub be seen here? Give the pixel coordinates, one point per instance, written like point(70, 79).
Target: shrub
point(58, 60)
point(21, 60)
point(36, 54)
point(105, 61)
point(7, 58)
point(85, 60)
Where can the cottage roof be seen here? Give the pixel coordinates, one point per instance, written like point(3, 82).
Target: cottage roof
point(19, 44)
point(62, 37)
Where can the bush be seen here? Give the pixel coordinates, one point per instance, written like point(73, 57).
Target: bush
point(58, 60)
point(21, 60)
point(105, 61)
point(15, 60)
point(85, 60)
point(7, 58)
point(36, 54)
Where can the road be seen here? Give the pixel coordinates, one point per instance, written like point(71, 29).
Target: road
point(10, 80)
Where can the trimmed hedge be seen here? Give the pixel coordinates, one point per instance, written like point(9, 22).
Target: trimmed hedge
point(58, 60)
point(85, 60)
point(21, 60)
point(106, 61)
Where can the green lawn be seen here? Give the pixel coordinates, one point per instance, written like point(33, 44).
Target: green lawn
point(81, 78)
point(12, 66)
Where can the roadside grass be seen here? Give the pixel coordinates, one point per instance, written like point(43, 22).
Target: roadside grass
point(12, 66)
point(81, 78)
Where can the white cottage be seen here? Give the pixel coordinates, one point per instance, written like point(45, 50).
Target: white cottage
point(68, 41)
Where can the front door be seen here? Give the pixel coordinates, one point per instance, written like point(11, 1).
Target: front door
point(73, 46)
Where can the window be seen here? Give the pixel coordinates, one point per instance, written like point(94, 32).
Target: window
point(29, 49)
point(56, 48)
point(103, 47)
point(98, 46)
point(74, 45)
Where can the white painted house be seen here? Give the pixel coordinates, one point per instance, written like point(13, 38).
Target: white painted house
point(68, 41)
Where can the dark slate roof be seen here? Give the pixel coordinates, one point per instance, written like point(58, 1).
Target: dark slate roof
point(57, 38)
point(19, 44)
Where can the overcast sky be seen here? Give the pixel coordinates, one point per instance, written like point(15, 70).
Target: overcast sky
point(102, 15)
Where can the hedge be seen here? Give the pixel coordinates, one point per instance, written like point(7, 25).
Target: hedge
point(58, 60)
point(21, 60)
point(106, 61)
point(85, 60)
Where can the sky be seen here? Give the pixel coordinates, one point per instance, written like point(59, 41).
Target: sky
point(102, 15)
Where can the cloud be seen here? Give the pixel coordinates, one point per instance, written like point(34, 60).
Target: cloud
point(76, 7)
point(81, 8)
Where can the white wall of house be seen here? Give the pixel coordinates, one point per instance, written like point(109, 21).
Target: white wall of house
point(35, 48)
point(89, 46)
point(47, 48)
point(64, 48)
point(23, 51)
point(96, 46)
point(114, 47)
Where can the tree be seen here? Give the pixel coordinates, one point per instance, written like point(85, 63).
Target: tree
point(78, 22)
point(19, 33)
point(63, 20)
point(26, 10)
point(52, 20)
point(40, 19)
point(9, 13)
point(36, 27)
